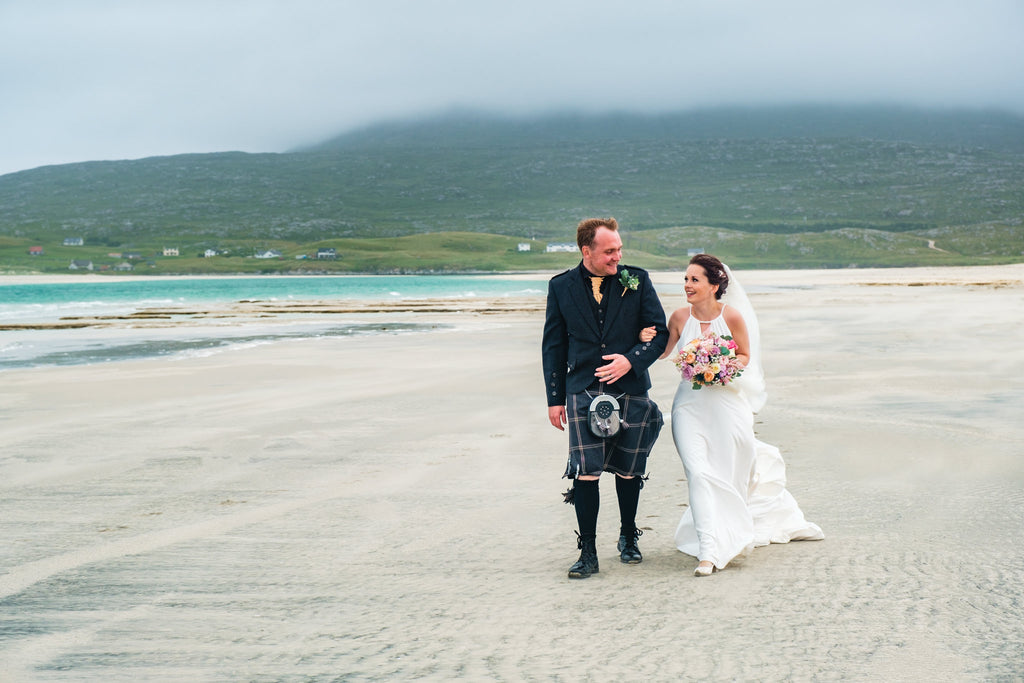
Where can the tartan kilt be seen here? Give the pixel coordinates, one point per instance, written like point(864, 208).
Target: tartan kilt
point(624, 453)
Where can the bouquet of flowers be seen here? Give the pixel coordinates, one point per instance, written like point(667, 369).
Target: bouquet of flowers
point(709, 360)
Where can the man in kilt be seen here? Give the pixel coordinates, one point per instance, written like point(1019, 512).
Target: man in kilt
point(591, 348)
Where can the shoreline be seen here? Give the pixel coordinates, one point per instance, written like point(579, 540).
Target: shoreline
point(896, 275)
point(266, 311)
point(79, 278)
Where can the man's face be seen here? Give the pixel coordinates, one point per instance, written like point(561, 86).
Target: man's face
point(602, 258)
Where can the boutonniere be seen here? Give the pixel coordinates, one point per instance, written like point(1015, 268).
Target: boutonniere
point(628, 281)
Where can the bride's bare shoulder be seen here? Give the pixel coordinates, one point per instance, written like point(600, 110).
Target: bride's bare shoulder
point(680, 314)
point(733, 318)
point(678, 319)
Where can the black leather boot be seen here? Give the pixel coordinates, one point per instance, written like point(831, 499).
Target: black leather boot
point(587, 564)
point(628, 548)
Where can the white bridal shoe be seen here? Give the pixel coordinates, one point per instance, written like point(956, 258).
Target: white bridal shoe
point(704, 569)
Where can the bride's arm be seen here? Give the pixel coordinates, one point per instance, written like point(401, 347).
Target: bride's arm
point(675, 328)
point(738, 327)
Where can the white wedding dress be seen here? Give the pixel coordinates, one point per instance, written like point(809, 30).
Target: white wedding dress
point(738, 496)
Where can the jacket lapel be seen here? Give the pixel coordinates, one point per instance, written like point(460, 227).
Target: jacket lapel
point(579, 297)
point(616, 300)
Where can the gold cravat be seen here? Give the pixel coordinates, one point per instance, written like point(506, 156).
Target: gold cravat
point(595, 282)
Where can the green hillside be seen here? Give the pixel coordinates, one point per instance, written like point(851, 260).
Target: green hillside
point(795, 187)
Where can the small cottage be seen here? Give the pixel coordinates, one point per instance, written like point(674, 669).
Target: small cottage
point(561, 246)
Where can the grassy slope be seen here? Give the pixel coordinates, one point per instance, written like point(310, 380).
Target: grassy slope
point(851, 187)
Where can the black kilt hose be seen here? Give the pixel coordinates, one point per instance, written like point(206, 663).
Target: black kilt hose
point(624, 453)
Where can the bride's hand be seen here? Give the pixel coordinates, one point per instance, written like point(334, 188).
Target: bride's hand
point(648, 333)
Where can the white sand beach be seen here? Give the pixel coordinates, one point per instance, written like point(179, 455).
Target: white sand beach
point(389, 506)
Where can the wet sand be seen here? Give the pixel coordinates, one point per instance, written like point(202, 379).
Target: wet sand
point(390, 506)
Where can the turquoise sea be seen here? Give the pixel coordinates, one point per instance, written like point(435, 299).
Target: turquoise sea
point(47, 302)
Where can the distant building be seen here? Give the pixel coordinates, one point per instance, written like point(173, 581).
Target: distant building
point(209, 253)
point(523, 246)
point(171, 251)
point(124, 266)
point(561, 246)
point(35, 251)
point(74, 242)
point(326, 253)
point(268, 253)
point(693, 252)
point(132, 255)
point(80, 265)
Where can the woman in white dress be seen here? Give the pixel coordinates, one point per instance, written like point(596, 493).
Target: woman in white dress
point(737, 484)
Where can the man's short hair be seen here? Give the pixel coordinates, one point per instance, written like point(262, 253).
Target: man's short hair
point(587, 228)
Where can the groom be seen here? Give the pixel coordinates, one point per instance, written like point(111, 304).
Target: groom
point(591, 348)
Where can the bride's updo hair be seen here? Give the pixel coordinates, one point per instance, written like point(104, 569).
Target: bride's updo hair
point(715, 271)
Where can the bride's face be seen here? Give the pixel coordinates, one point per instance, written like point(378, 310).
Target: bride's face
point(696, 285)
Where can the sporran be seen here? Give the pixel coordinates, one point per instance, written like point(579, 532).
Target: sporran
point(604, 416)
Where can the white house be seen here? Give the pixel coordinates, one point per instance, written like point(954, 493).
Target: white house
point(80, 265)
point(209, 253)
point(268, 253)
point(561, 246)
point(74, 242)
point(326, 253)
point(523, 246)
point(170, 251)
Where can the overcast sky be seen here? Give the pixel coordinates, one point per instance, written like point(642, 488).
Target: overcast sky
point(122, 79)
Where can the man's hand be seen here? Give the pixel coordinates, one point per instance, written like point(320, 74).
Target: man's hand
point(618, 367)
point(556, 414)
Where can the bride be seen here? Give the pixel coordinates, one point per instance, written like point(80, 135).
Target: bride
point(738, 496)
